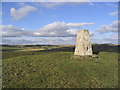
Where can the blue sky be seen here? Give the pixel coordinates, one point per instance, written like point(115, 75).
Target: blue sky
point(57, 23)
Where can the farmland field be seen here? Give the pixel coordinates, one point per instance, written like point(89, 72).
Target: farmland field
point(52, 66)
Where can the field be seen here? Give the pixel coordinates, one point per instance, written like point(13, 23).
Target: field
point(52, 66)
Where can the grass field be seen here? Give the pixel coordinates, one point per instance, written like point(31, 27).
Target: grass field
point(53, 67)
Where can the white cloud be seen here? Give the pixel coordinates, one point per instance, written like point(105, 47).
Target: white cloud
point(52, 5)
point(58, 40)
point(51, 35)
point(1, 13)
point(21, 12)
point(56, 29)
point(60, 29)
point(113, 27)
point(10, 27)
point(53, 41)
point(113, 13)
point(16, 41)
point(79, 25)
point(112, 4)
point(91, 33)
point(113, 38)
point(11, 31)
point(91, 3)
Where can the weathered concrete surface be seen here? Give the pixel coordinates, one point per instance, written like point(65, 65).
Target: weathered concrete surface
point(83, 43)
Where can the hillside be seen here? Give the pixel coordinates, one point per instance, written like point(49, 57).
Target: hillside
point(53, 67)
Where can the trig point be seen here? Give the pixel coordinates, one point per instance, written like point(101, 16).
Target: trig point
point(83, 44)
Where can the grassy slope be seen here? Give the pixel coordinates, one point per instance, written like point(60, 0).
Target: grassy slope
point(58, 69)
point(11, 52)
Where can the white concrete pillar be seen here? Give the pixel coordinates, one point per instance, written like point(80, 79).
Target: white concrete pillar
point(83, 44)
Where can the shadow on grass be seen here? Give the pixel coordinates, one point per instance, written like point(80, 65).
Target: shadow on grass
point(63, 49)
point(96, 49)
point(105, 48)
point(10, 49)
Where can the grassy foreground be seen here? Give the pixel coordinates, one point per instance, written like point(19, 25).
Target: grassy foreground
point(59, 70)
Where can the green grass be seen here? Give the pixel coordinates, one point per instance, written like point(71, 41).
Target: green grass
point(59, 70)
point(11, 52)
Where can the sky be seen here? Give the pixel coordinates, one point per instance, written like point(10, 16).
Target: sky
point(58, 22)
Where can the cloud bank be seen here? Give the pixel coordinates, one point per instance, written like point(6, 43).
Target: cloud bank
point(60, 29)
point(11, 31)
point(113, 27)
point(56, 29)
point(57, 40)
point(113, 13)
point(52, 41)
